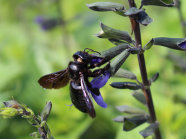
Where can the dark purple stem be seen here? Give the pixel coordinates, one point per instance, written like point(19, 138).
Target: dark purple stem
point(142, 66)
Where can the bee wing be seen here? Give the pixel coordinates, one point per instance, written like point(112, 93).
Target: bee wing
point(55, 80)
point(90, 107)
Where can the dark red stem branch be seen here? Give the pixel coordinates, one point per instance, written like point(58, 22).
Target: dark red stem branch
point(142, 66)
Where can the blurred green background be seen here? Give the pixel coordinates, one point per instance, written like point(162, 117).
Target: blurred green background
point(27, 52)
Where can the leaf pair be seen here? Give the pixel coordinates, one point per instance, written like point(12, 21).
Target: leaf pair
point(135, 118)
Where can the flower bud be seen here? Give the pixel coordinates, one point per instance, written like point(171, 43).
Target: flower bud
point(105, 6)
point(8, 112)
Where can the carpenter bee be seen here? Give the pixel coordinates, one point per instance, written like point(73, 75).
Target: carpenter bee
point(78, 72)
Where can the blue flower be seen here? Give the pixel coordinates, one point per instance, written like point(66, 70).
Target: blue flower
point(182, 45)
point(98, 83)
point(48, 24)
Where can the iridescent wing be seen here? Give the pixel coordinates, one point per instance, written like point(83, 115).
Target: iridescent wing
point(55, 80)
point(90, 107)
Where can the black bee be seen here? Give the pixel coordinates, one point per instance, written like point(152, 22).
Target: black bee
point(77, 73)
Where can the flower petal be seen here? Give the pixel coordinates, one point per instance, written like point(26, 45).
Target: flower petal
point(182, 45)
point(39, 19)
point(98, 99)
point(96, 60)
point(100, 81)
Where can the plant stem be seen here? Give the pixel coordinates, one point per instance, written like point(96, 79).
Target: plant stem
point(182, 22)
point(142, 66)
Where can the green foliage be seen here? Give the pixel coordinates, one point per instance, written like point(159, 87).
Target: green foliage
point(27, 52)
point(13, 108)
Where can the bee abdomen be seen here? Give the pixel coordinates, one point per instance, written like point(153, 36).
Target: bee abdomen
point(77, 99)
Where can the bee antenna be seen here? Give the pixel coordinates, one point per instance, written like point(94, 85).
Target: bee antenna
point(91, 51)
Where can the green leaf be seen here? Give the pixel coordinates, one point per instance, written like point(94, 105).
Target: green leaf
point(8, 112)
point(139, 15)
point(173, 43)
point(143, 18)
point(134, 50)
point(138, 95)
point(121, 73)
point(126, 85)
point(149, 45)
point(157, 3)
point(118, 61)
point(133, 11)
point(110, 33)
point(116, 42)
point(149, 130)
point(131, 122)
point(105, 6)
point(130, 110)
point(154, 77)
point(119, 119)
point(42, 124)
point(46, 111)
point(112, 52)
point(27, 112)
point(35, 135)
point(120, 12)
point(12, 103)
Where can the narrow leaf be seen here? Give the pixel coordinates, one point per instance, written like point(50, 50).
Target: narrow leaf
point(154, 77)
point(8, 112)
point(119, 119)
point(130, 110)
point(46, 111)
point(105, 6)
point(121, 73)
point(138, 95)
point(131, 122)
point(110, 33)
point(12, 104)
point(112, 52)
point(133, 11)
point(157, 3)
point(173, 43)
point(126, 85)
point(139, 15)
point(35, 135)
point(143, 18)
point(134, 50)
point(118, 61)
point(149, 45)
point(149, 130)
point(116, 42)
